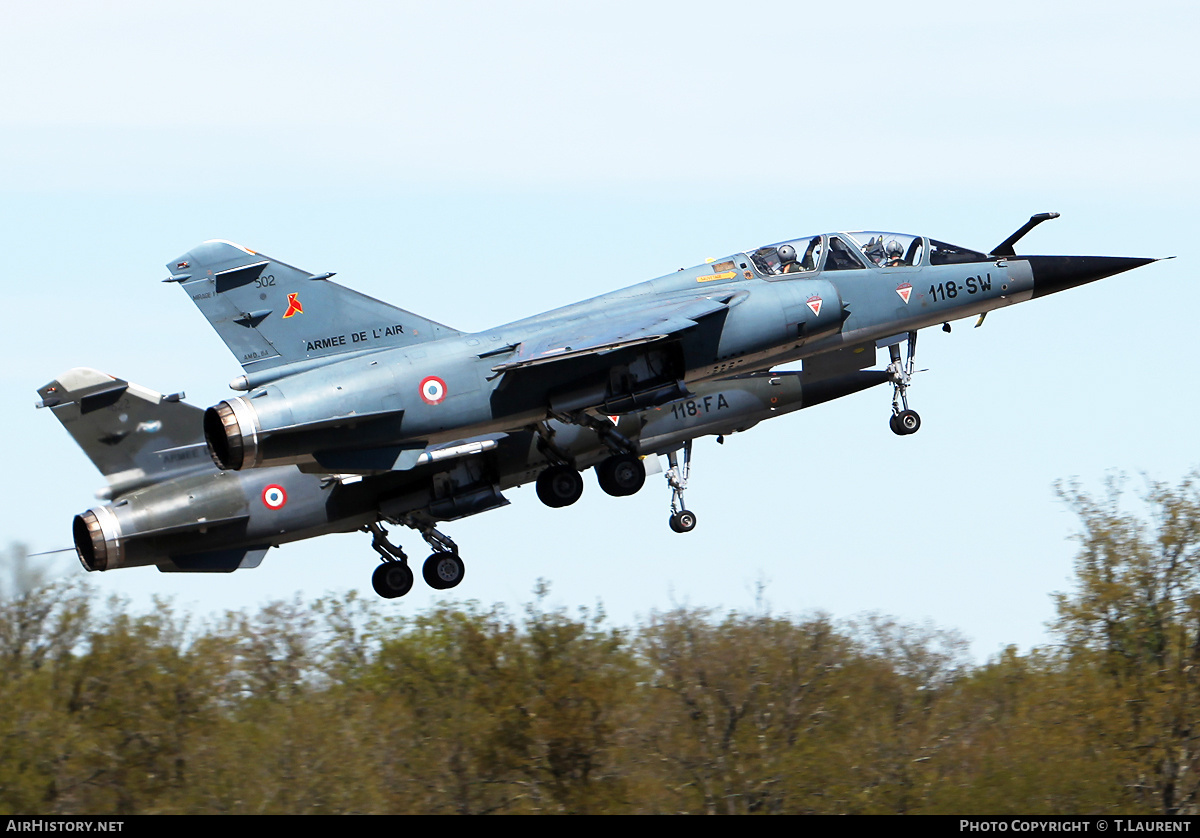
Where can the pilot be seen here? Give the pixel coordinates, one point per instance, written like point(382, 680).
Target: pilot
point(787, 260)
point(894, 254)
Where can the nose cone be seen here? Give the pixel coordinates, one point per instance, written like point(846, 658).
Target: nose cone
point(828, 389)
point(1058, 273)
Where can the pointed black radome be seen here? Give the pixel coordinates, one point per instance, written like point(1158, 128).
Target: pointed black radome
point(1058, 273)
point(828, 389)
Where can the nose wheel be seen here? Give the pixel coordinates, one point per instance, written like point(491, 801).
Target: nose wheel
point(683, 521)
point(904, 420)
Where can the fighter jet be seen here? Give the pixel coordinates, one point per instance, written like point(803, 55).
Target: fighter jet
point(172, 507)
point(338, 382)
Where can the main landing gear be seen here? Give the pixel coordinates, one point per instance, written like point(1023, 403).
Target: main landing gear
point(394, 578)
point(560, 484)
point(621, 475)
point(903, 421)
point(682, 519)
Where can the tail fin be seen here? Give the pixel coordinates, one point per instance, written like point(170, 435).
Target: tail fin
point(133, 435)
point(271, 314)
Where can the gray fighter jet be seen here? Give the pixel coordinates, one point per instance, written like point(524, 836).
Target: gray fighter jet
point(172, 507)
point(337, 382)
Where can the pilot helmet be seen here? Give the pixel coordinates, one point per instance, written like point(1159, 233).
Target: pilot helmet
point(893, 248)
point(787, 253)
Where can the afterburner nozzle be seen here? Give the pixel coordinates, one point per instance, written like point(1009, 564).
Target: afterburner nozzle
point(231, 431)
point(97, 537)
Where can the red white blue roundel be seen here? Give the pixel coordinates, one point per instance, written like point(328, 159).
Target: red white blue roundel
point(433, 390)
point(274, 497)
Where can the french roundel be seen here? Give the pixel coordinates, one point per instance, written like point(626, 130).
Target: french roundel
point(433, 390)
point(274, 497)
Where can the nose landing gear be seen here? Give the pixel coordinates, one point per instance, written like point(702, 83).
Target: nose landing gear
point(682, 519)
point(903, 421)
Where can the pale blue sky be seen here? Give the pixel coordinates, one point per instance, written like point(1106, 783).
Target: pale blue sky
point(479, 162)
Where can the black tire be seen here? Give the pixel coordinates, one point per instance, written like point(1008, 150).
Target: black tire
point(896, 429)
point(621, 475)
point(443, 571)
point(683, 521)
point(392, 579)
point(908, 421)
point(559, 486)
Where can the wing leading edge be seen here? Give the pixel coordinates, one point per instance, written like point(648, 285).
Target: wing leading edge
point(612, 333)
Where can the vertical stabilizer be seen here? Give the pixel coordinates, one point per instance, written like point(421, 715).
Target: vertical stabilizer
point(133, 435)
point(271, 314)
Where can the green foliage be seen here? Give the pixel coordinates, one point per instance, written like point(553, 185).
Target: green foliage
point(1135, 618)
point(500, 715)
point(737, 707)
point(345, 705)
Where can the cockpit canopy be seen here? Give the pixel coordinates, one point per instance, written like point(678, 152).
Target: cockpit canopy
point(858, 250)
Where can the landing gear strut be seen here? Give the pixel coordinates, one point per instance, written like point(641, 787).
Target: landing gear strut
point(559, 484)
point(394, 578)
point(443, 569)
point(903, 421)
point(682, 519)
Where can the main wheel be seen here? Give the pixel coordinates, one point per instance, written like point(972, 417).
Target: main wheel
point(683, 521)
point(896, 429)
point(559, 486)
point(908, 421)
point(621, 475)
point(392, 579)
point(443, 571)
